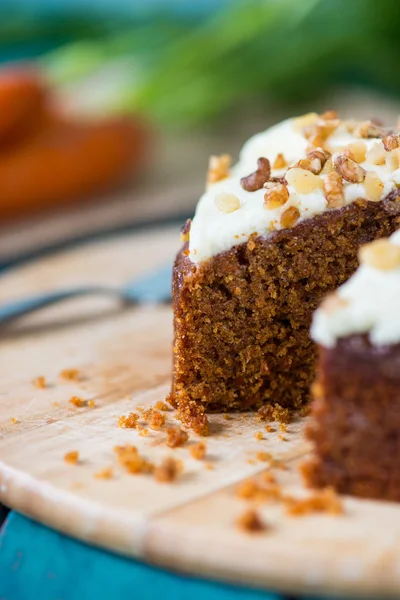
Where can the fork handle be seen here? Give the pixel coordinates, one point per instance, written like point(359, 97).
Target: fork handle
point(19, 308)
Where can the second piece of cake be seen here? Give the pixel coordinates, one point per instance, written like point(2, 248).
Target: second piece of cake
point(269, 239)
point(355, 417)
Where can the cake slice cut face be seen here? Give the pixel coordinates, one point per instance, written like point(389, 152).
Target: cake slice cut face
point(270, 238)
point(355, 416)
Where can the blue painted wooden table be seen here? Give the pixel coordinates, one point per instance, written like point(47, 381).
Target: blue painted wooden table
point(36, 562)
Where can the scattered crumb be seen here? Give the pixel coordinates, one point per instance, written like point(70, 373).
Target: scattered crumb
point(198, 451)
point(143, 431)
point(106, 473)
point(72, 457)
point(258, 435)
point(70, 374)
point(274, 413)
point(269, 477)
point(168, 470)
point(264, 456)
point(250, 522)
point(92, 404)
point(227, 417)
point(155, 419)
point(325, 500)
point(140, 408)
point(209, 466)
point(128, 422)
point(160, 405)
point(176, 436)
point(40, 382)
point(76, 401)
point(14, 420)
point(130, 459)
point(268, 490)
point(282, 438)
point(56, 404)
point(282, 427)
point(251, 461)
point(194, 417)
point(269, 429)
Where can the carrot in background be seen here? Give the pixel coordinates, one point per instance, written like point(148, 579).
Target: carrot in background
point(22, 97)
point(63, 161)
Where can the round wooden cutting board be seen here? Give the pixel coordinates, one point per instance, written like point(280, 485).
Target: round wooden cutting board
point(124, 361)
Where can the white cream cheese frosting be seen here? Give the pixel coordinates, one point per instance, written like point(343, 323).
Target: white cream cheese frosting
point(369, 302)
point(214, 231)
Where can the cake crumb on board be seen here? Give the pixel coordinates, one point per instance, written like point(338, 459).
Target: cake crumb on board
point(72, 457)
point(250, 522)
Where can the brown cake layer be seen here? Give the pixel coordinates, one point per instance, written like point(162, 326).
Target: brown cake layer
point(355, 426)
point(242, 318)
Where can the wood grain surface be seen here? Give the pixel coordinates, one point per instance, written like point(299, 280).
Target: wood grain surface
point(124, 360)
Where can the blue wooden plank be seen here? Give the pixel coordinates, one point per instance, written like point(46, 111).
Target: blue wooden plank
point(36, 562)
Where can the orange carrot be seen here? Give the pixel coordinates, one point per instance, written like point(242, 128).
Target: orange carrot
point(22, 95)
point(64, 161)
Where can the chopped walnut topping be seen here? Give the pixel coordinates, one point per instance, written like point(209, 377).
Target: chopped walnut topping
point(303, 181)
point(72, 457)
point(376, 154)
point(304, 121)
point(185, 231)
point(70, 374)
point(176, 437)
point(76, 401)
point(356, 151)
point(391, 142)
point(276, 196)
point(349, 169)
point(325, 500)
point(256, 180)
point(198, 451)
point(329, 114)
point(106, 473)
point(218, 168)
point(40, 382)
point(309, 164)
point(250, 522)
point(160, 405)
point(290, 217)
point(227, 203)
point(327, 168)
point(128, 422)
point(318, 133)
point(333, 190)
point(373, 187)
point(132, 461)
point(280, 162)
point(155, 419)
point(380, 254)
point(368, 129)
point(168, 470)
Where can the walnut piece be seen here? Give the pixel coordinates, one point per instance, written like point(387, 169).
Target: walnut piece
point(256, 180)
point(333, 190)
point(290, 217)
point(218, 168)
point(349, 169)
point(391, 142)
point(381, 255)
point(368, 129)
point(276, 196)
point(280, 162)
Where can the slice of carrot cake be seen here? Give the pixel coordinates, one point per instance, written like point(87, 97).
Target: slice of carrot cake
point(269, 239)
point(355, 422)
